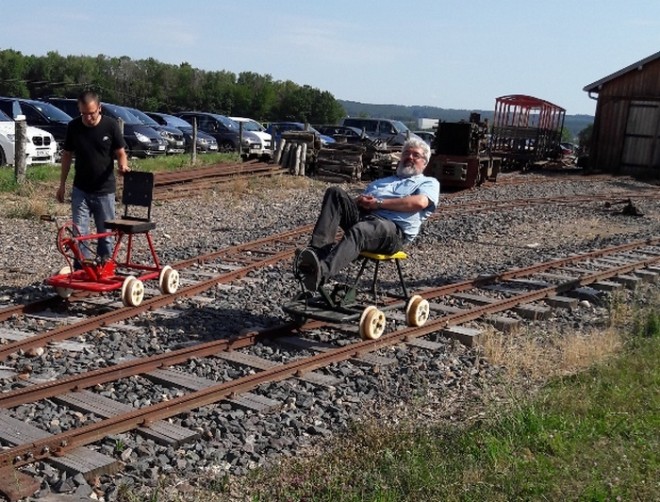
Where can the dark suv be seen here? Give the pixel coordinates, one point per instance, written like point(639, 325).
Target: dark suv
point(224, 130)
point(141, 141)
point(394, 132)
point(38, 114)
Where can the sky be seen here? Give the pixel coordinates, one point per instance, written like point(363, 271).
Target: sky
point(459, 54)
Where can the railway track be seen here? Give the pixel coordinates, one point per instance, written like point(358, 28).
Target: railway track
point(531, 292)
point(452, 306)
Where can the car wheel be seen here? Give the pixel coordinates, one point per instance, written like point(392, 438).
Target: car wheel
point(226, 147)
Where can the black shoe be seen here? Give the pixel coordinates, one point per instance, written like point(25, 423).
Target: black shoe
point(308, 269)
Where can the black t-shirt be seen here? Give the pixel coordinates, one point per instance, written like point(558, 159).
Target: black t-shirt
point(94, 148)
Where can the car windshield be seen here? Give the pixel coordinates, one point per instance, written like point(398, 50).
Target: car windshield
point(249, 125)
point(227, 122)
point(120, 113)
point(399, 126)
point(176, 121)
point(144, 118)
point(4, 117)
point(51, 112)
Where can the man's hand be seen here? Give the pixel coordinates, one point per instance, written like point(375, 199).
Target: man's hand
point(60, 194)
point(367, 202)
point(123, 169)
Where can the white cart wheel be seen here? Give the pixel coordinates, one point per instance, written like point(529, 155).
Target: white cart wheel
point(132, 292)
point(372, 323)
point(124, 285)
point(168, 280)
point(417, 311)
point(64, 292)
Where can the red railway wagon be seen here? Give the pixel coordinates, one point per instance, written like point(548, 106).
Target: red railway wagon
point(526, 130)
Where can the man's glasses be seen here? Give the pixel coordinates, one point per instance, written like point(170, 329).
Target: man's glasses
point(414, 155)
point(90, 114)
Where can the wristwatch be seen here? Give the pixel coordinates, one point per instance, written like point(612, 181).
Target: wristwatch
point(379, 203)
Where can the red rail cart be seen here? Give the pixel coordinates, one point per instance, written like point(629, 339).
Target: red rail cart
point(122, 271)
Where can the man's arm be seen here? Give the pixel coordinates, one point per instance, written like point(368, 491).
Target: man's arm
point(409, 204)
point(64, 173)
point(122, 160)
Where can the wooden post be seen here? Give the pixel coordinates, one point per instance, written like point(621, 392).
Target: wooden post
point(303, 159)
point(240, 139)
point(295, 157)
point(193, 152)
point(20, 159)
point(278, 151)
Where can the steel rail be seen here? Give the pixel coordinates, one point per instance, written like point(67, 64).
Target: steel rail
point(144, 365)
point(9, 311)
point(61, 443)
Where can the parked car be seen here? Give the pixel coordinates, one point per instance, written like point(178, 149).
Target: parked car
point(174, 137)
point(343, 133)
point(427, 136)
point(255, 127)
point(225, 131)
point(275, 129)
point(205, 142)
point(38, 114)
point(141, 141)
point(394, 132)
point(40, 147)
point(568, 149)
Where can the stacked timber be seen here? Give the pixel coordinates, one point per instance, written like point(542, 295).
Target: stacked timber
point(341, 161)
point(382, 159)
point(297, 151)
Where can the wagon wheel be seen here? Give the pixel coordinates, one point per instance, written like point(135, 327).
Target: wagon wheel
point(417, 311)
point(66, 236)
point(168, 280)
point(64, 292)
point(132, 291)
point(372, 323)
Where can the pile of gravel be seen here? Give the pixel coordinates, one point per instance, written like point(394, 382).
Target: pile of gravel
point(232, 441)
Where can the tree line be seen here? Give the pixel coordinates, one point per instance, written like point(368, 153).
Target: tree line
point(148, 84)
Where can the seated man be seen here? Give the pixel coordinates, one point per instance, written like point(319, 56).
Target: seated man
point(382, 220)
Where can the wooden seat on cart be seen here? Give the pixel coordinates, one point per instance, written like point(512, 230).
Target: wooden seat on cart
point(137, 195)
point(377, 258)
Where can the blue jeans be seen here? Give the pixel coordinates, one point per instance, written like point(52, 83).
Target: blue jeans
point(102, 208)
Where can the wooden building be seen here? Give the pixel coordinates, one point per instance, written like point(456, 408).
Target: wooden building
point(626, 134)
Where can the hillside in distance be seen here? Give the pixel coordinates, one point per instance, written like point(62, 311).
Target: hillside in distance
point(409, 114)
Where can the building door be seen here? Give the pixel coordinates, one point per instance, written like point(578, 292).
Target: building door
point(641, 141)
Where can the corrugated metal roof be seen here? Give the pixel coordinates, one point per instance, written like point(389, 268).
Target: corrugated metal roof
point(635, 66)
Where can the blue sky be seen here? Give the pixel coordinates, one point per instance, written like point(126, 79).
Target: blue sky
point(447, 53)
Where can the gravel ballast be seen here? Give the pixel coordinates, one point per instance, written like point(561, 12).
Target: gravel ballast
point(451, 247)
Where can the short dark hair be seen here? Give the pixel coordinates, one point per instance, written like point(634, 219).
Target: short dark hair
point(88, 96)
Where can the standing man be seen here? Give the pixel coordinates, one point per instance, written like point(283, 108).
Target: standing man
point(95, 141)
point(384, 218)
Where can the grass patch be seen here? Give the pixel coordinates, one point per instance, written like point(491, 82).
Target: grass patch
point(36, 196)
point(587, 435)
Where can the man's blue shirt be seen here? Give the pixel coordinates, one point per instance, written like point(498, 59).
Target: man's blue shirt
point(394, 187)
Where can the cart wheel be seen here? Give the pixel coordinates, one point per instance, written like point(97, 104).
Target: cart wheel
point(64, 292)
point(417, 311)
point(66, 236)
point(132, 291)
point(372, 323)
point(168, 281)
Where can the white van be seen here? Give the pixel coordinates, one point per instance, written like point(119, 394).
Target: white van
point(256, 128)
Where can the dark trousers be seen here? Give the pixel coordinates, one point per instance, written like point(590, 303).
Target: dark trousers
point(362, 232)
